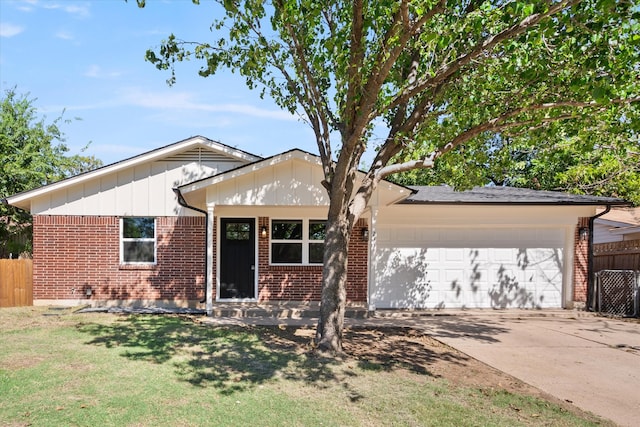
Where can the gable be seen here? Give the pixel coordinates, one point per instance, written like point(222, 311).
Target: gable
point(292, 178)
point(141, 185)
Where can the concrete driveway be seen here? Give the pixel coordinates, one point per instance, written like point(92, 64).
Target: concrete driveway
point(590, 361)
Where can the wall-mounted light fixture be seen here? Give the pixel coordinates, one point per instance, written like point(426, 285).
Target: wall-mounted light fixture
point(365, 233)
point(88, 291)
point(583, 233)
point(263, 231)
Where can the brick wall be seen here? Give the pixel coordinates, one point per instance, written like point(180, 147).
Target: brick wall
point(72, 253)
point(303, 283)
point(581, 263)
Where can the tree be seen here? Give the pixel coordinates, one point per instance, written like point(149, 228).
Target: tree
point(444, 77)
point(32, 154)
point(599, 158)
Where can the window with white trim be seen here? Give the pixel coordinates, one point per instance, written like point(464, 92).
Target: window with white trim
point(138, 240)
point(297, 241)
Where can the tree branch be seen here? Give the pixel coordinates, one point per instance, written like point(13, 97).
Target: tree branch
point(446, 71)
point(496, 124)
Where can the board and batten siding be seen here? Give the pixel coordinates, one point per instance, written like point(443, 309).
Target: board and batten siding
point(291, 183)
point(142, 190)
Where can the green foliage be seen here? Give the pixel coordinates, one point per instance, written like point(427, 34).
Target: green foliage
point(439, 75)
point(32, 153)
point(599, 158)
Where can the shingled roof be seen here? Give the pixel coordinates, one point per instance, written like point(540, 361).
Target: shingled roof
point(446, 195)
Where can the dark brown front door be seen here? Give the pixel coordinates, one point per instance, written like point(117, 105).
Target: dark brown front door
point(237, 258)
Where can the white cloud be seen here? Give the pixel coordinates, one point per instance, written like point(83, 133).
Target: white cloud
point(96, 72)
point(64, 35)
point(81, 11)
point(185, 101)
point(10, 30)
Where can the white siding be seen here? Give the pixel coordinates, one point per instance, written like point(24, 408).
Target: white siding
point(144, 189)
point(290, 183)
point(601, 234)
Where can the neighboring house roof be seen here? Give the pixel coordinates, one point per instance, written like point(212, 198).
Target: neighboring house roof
point(445, 194)
point(171, 151)
point(619, 222)
point(622, 216)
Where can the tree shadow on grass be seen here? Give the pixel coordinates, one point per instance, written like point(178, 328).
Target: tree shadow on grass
point(236, 358)
point(228, 358)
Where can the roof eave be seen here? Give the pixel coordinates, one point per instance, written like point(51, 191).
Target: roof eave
point(506, 203)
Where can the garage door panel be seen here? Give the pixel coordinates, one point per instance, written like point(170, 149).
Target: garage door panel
point(446, 274)
point(453, 255)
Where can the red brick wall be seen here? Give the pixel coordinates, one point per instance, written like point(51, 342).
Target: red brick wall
point(72, 253)
point(581, 263)
point(303, 283)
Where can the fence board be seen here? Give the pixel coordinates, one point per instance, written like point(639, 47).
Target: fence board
point(16, 282)
point(617, 256)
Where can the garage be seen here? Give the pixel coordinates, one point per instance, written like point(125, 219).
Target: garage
point(446, 267)
point(488, 247)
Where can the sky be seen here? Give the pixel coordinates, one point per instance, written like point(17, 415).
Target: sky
point(85, 60)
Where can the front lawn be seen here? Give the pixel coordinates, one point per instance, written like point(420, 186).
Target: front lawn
point(60, 368)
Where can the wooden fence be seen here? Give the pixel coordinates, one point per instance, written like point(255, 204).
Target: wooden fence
point(617, 256)
point(16, 282)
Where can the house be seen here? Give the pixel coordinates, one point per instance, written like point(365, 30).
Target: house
point(617, 225)
point(198, 222)
point(616, 238)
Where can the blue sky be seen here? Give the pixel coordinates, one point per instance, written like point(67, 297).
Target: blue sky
point(87, 58)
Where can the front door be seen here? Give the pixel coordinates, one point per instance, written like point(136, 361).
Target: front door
point(237, 258)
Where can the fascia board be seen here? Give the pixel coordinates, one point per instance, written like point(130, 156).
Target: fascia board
point(625, 230)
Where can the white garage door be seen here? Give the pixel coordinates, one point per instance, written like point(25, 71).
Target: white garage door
point(468, 268)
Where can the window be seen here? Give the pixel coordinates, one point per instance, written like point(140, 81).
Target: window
point(297, 241)
point(238, 231)
point(316, 241)
point(138, 240)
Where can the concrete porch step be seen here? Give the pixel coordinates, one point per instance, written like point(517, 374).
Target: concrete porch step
point(279, 311)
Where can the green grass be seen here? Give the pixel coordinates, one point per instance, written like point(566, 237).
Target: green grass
point(88, 370)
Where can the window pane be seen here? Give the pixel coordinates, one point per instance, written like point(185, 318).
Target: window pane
point(317, 230)
point(286, 253)
point(315, 253)
point(138, 252)
point(286, 230)
point(137, 228)
point(238, 231)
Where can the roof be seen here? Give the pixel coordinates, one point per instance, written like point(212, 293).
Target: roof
point(622, 217)
point(22, 199)
point(446, 195)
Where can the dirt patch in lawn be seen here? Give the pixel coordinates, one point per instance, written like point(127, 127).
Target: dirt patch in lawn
point(413, 351)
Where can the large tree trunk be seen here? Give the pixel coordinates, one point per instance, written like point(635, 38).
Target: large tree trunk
point(334, 280)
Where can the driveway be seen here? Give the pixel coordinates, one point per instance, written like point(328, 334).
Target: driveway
point(590, 361)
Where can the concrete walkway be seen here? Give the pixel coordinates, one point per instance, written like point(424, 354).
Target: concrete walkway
point(589, 361)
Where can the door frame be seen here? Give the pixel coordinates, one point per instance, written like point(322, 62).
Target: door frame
point(218, 244)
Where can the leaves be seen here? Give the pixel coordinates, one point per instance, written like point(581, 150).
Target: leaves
point(32, 153)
